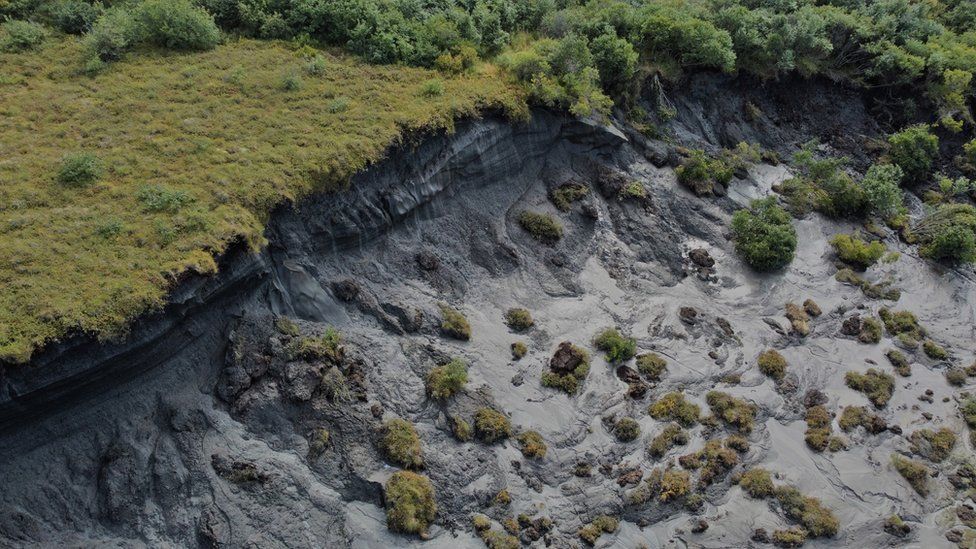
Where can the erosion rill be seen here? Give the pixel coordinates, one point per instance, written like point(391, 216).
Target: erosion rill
point(255, 409)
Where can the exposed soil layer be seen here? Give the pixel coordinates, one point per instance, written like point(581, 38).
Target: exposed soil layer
point(205, 426)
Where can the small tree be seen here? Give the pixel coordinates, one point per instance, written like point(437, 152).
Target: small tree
point(764, 235)
point(881, 189)
point(914, 149)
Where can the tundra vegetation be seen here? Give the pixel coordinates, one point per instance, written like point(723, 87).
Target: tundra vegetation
point(227, 67)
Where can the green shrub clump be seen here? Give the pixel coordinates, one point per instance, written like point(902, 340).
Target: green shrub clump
point(447, 380)
point(914, 472)
point(734, 411)
point(74, 16)
point(699, 172)
point(490, 425)
point(817, 520)
point(933, 445)
point(626, 429)
point(454, 323)
point(934, 350)
point(790, 537)
point(600, 525)
point(651, 365)
point(564, 195)
point(968, 411)
point(18, 36)
point(772, 364)
point(327, 346)
point(757, 483)
point(948, 233)
point(532, 445)
point(401, 444)
point(764, 236)
point(569, 382)
point(672, 435)
point(410, 503)
point(543, 227)
point(859, 416)
point(518, 319)
point(673, 406)
point(519, 349)
point(79, 169)
point(882, 190)
point(914, 149)
point(875, 384)
point(168, 24)
point(617, 347)
point(856, 252)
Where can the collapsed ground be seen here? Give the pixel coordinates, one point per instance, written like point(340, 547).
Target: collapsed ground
point(264, 415)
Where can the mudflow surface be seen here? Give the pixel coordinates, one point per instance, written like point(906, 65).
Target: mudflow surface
point(201, 429)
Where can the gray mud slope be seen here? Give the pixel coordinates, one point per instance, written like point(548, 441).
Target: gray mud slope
point(199, 430)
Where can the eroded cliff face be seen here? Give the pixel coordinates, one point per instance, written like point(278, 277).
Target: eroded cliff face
point(204, 427)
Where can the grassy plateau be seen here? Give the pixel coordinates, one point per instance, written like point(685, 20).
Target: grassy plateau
point(192, 152)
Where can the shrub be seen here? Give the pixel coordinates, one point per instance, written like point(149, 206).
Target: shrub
point(626, 429)
point(772, 364)
point(79, 169)
point(542, 227)
point(856, 252)
point(734, 411)
point(569, 382)
point(875, 384)
point(968, 411)
point(700, 172)
point(316, 65)
point(901, 323)
point(112, 35)
point(518, 319)
point(791, 537)
point(461, 429)
point(674, 484)
point(175, 25)
point(914, 472)
point(454, 324)
point(714, 460)
point(447, 380)
point(17, 36)
point(532, 444)
point(291, 82)
point(855, 416)
point(334, 385)
point(870, 331)
point(882, 190)
point(600, 525)
point(948, 233)
point(816, 519)
point(327, 347)
point(617, 347)
point(157, 198)
point(933, 445)
point(672, 435)
point(519, 349)
point(899, 362)
point(651, 365)
point(410, 504)
point(673, 406)
point(74, 16)
point(615, 59)
point(432, 88)
point(401, 444)
point(491, 425)
point(913, 150)
point(764, 236)
point(564, 195)
point(934, 350)
point(757, 483)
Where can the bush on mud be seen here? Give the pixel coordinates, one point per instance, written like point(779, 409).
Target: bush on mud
point(454, 324)
point(764, 236)
point(543, 227)
point(856, 252)
point(617, 347)
point(491, 425)
point(914, 149)
point(410, 504)
point(673, 406)
point(401, 444)
point(445, 381)
point(772, 364)
point(518, 319)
